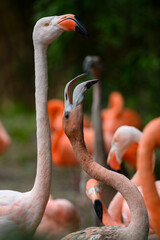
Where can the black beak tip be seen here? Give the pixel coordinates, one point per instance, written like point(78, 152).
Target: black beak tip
point(98, 209)
point(80, 28)
point(110, 168)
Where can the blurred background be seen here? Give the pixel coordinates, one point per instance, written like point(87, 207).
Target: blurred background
point(125, 34)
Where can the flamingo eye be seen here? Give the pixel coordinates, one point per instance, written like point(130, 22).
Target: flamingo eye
point(46, 24)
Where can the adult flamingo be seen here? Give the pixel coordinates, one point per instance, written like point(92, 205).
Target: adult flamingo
point(5, 140)
point(73, 127)
point(60, 218)
point(149, 141)
point(124, 145)
point(24, 211)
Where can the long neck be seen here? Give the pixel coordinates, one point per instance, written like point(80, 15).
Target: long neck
point(99, 148)
point(138, 226)
point(41, 188)
point(150, 140)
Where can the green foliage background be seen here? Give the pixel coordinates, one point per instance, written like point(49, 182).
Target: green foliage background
point(124, 33)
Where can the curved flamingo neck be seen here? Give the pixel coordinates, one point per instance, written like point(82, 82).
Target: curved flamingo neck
point(41, 188)
point(149, 141)
point(138, 226)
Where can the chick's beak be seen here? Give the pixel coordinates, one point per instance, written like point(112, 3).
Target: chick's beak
point(70, 22)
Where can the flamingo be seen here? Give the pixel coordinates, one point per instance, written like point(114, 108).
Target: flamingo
point(93, 65)
point(23, 211)
point(149, 141)
point(60, 217)
point(94, 193)
point(5, 140)
point(73, 127)
point(124, 144)
point(115, 115)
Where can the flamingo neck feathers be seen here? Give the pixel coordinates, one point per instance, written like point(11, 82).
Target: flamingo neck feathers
point(41, 188)
point(149, 141)
point(138, 227)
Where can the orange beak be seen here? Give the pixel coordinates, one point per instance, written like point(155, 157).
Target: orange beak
point(69, 22)
point(113, 163)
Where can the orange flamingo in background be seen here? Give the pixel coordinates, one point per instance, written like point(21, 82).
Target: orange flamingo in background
point(5, 140)
point(149, 141)
point(24, 211)
point(116, 115)
point(60, 217)
point(62, 153)
point(73, 127)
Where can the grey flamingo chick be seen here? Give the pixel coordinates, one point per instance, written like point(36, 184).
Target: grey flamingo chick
point(73, 127)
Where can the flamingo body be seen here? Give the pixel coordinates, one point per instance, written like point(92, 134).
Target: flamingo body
point(60, 217)
point(24, 211)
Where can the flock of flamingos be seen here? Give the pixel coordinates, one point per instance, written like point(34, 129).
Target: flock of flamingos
point(68, 137)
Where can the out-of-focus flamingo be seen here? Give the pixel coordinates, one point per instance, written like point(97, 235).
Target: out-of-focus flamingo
point(24, 211)
point(62, 152)
point(5, 140)
point(93, 65)
point(73, 127)
point(116, 115)
point(60, 218)
point(149, 141)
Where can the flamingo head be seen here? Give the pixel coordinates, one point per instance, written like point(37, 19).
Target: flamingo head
point(93, 65)
point(47, 29)
point(73, 114)
point(124, 146)
point(94, 193)
point(113, 160)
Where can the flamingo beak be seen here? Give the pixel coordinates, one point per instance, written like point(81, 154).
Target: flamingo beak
point(113, 163)
point(70, 22)
point(78, 93)
point(94, 194)
point(98, 208)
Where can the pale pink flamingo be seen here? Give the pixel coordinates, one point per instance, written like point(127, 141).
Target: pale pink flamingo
point(24, 211)
point(5, 140)
point(73, 127)
point(60, 218)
